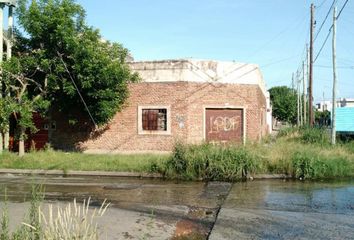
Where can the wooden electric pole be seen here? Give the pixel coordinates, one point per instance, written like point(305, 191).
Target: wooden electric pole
point(1, 58)
point(9, 43)
point(298, 98)
point(304, 91)
point(333, 139)
point(312, 26)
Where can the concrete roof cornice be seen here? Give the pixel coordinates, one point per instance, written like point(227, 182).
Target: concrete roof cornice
point(199, 70)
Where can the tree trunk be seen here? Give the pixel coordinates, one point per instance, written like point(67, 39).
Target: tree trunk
point(6, 140)
point(21, 143)
point(1, 143)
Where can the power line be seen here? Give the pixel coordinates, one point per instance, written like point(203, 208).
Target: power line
point(77, 89)
point(323, 44)
point(342, 9)
point(330, 30)
point(324, 21)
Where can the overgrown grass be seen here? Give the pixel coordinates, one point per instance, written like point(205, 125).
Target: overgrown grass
point(210, 162)
point(74, 221)
point(297, 152)
point(31, 227)
point(307, 153)
point(50, 160)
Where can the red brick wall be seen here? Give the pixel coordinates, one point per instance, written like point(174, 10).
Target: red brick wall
point(250, 97)
point(187, 101)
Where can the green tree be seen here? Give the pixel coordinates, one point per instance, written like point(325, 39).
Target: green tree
point(323, 118)
point(61, 62)
point(5, 111)
point(73, 53)
point(284, 103)
point(23, 95)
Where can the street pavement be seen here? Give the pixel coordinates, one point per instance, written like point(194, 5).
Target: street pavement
point(156, 209)
point(287, 210)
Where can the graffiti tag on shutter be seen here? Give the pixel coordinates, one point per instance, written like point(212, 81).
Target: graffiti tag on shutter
point(225, 124)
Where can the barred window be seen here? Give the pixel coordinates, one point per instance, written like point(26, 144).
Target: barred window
point(154, 119)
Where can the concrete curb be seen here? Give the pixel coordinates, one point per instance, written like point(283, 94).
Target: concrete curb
point(79, 173)
point(269, 176)
point(116, 174)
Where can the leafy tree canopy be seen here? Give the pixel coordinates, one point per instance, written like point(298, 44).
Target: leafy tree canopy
point(284, 102)
point(58, 50)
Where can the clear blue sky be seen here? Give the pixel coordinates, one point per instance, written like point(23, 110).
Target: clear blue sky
point(270, 33)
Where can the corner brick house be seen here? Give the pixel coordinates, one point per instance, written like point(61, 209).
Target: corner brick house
point(186, 100)
point(190, 101)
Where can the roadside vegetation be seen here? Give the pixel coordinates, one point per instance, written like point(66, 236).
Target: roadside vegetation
point(302, 153)
point(73, 221)
point(57, 160)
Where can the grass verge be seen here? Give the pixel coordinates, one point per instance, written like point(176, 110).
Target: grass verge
point(56, 160)
point(297, 152)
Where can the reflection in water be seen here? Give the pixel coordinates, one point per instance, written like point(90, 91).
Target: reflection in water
point(325, 197)
point(117, 190)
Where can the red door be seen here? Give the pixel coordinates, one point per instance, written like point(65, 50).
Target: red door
point(224, 125)
point(39, 139)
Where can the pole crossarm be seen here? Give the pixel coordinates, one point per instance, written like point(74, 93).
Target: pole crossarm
point(10, 3)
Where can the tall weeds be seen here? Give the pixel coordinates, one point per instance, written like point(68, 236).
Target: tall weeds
point(74, 221)
point(5, 233)
point(208, 162)
point(316, 135)
point(304, 153)
point(309, 165)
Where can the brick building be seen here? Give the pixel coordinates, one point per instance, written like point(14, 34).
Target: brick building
point(187, 100)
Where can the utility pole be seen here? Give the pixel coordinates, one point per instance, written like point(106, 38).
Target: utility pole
point(8, 56)
point(298, 98)
point(10, 27)
point(304, 89)
point(1, 58)
point(312, 26)
point(333, 140)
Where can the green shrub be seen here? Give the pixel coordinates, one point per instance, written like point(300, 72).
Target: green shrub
point(310, 165)
point(178, 162)
point(209, 162)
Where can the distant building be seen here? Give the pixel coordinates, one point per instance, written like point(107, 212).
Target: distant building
point(327, 105)
point(346, 102)
point(345, 120)
point(344, 113)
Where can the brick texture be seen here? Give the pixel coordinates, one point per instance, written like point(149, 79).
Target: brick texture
point(187, 101)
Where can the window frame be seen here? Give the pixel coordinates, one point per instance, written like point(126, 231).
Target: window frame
point(141, 131)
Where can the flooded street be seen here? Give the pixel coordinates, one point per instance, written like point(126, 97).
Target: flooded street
point(157, 209)
point(276, 209)
point(140, 209)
